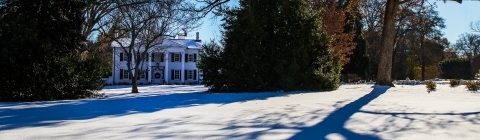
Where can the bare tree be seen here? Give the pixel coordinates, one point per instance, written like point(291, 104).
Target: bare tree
point(385, 65)
point(141, 25)
point(468, 45)
point(475, 26)
point(94, 13)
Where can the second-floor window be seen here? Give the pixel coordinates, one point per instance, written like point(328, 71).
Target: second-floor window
point(191, 58)
point(158, 57)
point(176, 57)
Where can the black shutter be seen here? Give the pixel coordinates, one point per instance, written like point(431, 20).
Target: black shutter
point(153, 56)
point(121, 73)
point(173, 74)
point(185, 74)
point(146, 77)
point(186, 57)
point(172, 57)
point(121, 56)
point(194, 57)
point(162, 57)
point(194, 74)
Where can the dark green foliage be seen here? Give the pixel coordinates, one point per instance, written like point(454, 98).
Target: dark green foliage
point(456, 68)
point(210, 64)
point(40, 45)
point(431, 85)
point(472, 85)
point(454, 82)
point(358, 60)
point(271, 46)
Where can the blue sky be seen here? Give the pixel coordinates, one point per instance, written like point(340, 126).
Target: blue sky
point(457, 19)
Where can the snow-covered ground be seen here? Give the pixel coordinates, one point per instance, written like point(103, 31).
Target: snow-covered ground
point(188, 112)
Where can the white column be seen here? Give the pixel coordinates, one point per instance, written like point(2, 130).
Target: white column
point(149, 77)
point(166, 67)
point(113, 65)
point(182, 57)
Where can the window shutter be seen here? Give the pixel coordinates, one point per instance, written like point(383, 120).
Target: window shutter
point(185, 75)
point(121, 73)
point(194, 57)
point(146, 74)
point(153, 56)
point(121, 56)
point(162, 57)
point(172, 58)
point(173, 74)
point(186, 57)
point(129, 76)
point(194, 74)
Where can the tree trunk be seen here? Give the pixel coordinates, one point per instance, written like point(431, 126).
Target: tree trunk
point(388, 34)
point(134, 84)
point(423, 56)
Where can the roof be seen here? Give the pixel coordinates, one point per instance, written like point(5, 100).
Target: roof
point(188, 43)
point(185, 43)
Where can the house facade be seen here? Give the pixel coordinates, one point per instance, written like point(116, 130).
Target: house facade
point(171, 62)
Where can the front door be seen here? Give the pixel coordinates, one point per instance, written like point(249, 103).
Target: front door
point(157, 75)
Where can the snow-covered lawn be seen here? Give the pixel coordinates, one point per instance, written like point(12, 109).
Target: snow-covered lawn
point(188, 112)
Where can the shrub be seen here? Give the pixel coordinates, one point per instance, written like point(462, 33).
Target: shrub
point(472, 85)
point(456, 68)
point(431, 85)
point(454, 82)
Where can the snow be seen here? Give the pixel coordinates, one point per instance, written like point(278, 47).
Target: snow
point(190, 44)
point(188, 112)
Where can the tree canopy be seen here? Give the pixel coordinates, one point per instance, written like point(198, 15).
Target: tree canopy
point(288, 51)
point(41, 46)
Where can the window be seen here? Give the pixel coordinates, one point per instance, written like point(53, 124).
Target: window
point(158, 57)
point(124, 74)
point(143, 75)
point(189, 74)
point(191, 58)
point(125, 57)
point(176, 57)
point(176, 74)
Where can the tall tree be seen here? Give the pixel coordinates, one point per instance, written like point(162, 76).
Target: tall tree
point(41, 43)
point(334, 20)
point(141, 25)
point(385, 65)
point(475, 26)
point(288, 52)
point(468, 45)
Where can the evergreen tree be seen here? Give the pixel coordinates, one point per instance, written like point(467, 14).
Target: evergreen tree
point(274, 45)
point(358, 60)
point(41, 46)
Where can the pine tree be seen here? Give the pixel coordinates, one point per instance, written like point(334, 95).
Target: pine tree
point(275, 45)
point(41, 46)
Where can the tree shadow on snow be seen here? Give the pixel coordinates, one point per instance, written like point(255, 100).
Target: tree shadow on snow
point(18, 115)
point(335, 122)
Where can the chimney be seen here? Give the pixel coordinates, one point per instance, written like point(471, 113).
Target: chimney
point(198, 36)
point(182, 36)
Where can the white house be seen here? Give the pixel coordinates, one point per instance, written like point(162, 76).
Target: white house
point(171, 62)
